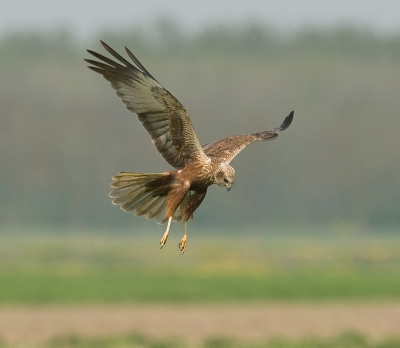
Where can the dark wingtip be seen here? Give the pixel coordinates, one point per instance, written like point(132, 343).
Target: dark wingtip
point(287, 122)
point(136, 61)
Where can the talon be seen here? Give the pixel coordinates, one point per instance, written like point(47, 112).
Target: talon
point(165, 236)
point(182, 245)
point(163, 240)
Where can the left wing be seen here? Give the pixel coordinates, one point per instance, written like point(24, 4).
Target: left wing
point(161, 114)
point(229, 147)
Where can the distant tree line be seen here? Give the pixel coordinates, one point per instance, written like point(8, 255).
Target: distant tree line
point(63, 133)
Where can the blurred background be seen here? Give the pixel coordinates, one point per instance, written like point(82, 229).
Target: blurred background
point(313, 215)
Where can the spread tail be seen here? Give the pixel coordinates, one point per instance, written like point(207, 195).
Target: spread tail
point(143, 193)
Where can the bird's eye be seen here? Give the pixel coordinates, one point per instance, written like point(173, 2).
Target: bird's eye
point(226, 180)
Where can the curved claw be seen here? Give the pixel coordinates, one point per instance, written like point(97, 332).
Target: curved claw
point(182, 245)
point(183, 242)
point(163, 240)
point(166, 234)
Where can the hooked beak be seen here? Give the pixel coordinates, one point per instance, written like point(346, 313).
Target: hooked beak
point(228, 187)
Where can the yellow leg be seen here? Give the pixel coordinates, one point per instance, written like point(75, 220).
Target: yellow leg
point(182, 243)
point(165, 236)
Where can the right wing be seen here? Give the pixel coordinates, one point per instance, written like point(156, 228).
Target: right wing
point(161, 114)
point(227, 148)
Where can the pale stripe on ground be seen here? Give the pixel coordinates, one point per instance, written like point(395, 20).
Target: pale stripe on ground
point(195, 323)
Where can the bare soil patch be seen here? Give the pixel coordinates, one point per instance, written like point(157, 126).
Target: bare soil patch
point(194, 323)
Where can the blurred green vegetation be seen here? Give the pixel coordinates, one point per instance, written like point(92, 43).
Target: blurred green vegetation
point(344, 340)
point(94, 267)
point(63, 132)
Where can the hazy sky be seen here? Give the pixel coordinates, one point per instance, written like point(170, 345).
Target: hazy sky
point(86, 17)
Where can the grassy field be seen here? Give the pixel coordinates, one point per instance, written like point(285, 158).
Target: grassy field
point(85, 267)
point(159, 286)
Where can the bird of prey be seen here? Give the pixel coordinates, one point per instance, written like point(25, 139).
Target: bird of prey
point(175, 194)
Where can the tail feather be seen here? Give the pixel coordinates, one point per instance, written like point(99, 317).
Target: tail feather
point(146, 206)
point(127, 178)
point(154, 209)
point(137, 201)
point(160, 213)
point(140, 192)
point(142, 203)
point(125, 194)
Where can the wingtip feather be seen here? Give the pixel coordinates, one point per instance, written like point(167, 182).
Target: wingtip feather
point(286, 122)
point(136, 61)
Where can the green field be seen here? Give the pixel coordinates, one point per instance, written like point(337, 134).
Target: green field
point(85, 267)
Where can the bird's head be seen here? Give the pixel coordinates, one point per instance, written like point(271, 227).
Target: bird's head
point(225, 175)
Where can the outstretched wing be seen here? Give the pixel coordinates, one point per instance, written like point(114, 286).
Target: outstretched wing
point(161, 114)
point(227, 148)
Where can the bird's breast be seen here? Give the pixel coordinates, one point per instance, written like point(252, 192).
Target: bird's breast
point(199, 175)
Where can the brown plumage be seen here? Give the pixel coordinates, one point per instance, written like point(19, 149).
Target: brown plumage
point(173, 195)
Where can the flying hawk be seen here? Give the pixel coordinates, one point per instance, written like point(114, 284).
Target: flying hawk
point(175, 194)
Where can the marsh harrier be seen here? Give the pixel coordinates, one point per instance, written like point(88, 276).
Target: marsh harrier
point(175, 194)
